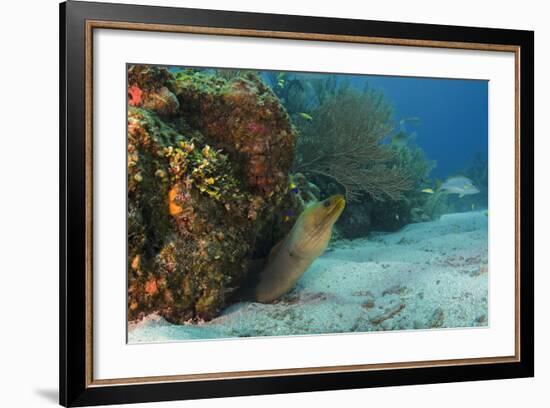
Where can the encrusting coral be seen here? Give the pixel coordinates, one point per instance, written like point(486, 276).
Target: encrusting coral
point(208, 171)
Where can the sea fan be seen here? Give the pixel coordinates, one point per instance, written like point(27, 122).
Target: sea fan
point(344, 143)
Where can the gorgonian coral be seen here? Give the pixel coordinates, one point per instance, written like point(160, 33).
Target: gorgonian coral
point(344, 143)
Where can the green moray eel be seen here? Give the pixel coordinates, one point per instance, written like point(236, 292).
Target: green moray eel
point(307, 240)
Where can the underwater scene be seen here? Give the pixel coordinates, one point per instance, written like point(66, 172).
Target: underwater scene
point(272, 203)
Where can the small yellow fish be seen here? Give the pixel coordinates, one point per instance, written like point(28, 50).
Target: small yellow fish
point(427, 191)
point(281, 83)
point(305, 116)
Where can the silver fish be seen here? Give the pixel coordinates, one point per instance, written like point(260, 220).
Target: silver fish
point(459, 185)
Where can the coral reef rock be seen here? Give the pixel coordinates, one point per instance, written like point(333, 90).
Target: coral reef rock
point(208, 171)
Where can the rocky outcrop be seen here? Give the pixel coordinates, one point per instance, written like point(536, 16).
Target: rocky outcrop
point(208, 173)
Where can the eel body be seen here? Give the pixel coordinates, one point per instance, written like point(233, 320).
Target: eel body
point(307, 240)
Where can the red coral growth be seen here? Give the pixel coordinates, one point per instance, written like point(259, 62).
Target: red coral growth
point(134, 95)
point(150, 89)
point(151, 287)
point(257, 128)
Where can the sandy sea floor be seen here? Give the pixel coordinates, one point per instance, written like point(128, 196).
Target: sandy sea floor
point(427, 275)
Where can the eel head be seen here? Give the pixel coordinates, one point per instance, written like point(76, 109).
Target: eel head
point(312, 231)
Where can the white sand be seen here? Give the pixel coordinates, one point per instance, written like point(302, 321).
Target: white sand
point(427, 275)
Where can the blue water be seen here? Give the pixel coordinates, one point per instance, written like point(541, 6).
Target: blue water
point(453, 113)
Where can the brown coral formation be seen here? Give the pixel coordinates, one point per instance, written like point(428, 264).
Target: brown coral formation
point(208, 163)
point(243, 117)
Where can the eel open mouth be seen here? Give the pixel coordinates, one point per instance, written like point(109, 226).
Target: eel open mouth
point(335, 205)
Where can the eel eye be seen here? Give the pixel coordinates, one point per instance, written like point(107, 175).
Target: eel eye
point(327, 203)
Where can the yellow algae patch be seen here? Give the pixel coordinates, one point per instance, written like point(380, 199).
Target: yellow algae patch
point(173, 208)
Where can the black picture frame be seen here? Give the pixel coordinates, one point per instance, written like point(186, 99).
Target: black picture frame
point(76, 387)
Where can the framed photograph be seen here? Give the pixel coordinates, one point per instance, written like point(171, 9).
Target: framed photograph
point(256, 204)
